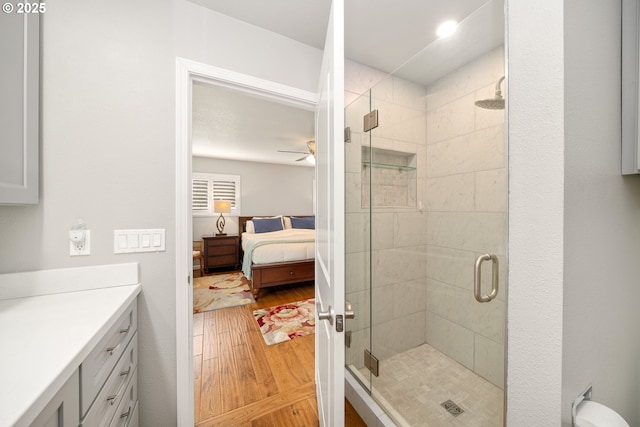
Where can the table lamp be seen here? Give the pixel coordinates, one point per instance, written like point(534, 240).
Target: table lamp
point(221, 206)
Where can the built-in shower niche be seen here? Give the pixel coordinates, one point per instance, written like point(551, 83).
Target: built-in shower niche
point(388, 178)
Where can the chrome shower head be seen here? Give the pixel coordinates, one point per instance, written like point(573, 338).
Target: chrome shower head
point(495, 103)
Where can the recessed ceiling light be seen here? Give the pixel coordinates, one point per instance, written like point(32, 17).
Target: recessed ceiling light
point(446, 29)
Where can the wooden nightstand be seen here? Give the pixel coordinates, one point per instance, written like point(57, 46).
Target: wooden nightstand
point(221, 251)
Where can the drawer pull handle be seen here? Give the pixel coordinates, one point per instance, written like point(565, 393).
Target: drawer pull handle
point(291, 273)
point(125, 373)
point(126, 414)
point(112, 399)
point(110, 350)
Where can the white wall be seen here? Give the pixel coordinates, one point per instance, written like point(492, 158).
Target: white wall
point(601, 343)
point(266, 189)
point(535, 79)
point(108, 142)
point(212, 38)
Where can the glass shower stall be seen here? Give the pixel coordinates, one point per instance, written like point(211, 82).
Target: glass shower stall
point(426, 193)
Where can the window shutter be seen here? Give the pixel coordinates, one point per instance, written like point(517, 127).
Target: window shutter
point(207, 187)
point(200, 195)
point(225, 190)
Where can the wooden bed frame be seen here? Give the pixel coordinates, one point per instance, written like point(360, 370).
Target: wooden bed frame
point(277, 273)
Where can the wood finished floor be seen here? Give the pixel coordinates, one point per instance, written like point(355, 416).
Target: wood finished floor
point(241, 381)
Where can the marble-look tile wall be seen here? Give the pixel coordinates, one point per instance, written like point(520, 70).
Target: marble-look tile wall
point(386, 249)
point(410, 270)
point(465, 215)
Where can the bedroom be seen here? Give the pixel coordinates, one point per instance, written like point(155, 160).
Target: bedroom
point(253, 153)
point(239, 139)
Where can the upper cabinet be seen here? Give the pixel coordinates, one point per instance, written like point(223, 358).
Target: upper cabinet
point(19, 104)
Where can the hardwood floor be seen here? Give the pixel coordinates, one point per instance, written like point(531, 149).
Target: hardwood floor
point(241, 381)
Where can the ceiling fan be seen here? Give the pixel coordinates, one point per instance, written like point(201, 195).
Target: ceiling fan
point(309, 155)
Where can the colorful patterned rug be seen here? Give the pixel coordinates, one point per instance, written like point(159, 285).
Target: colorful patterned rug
point(286, 322)
point(220, 291)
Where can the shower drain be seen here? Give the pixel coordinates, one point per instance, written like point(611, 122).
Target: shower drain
point(452, 408)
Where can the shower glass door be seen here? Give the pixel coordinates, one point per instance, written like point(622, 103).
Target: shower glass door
point(358, 239)
point(426, 230)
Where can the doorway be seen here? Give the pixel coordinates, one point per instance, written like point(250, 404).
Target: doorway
point(188, 72)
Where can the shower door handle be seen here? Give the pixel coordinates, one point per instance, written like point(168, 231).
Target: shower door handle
point(477, 279)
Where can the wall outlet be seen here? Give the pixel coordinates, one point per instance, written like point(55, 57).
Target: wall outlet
point(79, 242)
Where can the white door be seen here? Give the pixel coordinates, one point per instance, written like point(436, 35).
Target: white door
point(330, 225)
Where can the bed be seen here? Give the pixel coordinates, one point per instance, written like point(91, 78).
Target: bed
point(278, 257)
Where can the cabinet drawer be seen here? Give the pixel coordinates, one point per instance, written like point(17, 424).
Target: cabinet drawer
point(127, 406)
point(286, 273)
point(63, 409)
point(223, 250)
point(98, 365)
point(222, 260)
point(134, 419)
point(115, 389)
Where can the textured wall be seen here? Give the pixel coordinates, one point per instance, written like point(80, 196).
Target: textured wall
point(535, 79)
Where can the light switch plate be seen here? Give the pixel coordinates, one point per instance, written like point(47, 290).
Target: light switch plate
point(138, 240)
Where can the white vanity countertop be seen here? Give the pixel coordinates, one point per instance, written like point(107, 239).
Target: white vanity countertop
point(44, 340)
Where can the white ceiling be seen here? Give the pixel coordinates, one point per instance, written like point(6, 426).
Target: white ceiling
point(236, 125)
point(383, 34)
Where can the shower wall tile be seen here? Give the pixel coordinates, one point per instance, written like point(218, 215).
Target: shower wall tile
point(480, 73)
point(451, 339)
point(353, 153)
point(409, 94)
point(474, 232)
point(383, 90)
point(383, 303)
point(490, 191)
point(398, 265)
point(399, 123)
point(452, 120)
point(358, 78)
point(357, 275)
point(477, 151)
point(357, 232)
point(410, 298)
point(353, 190)
point(382, 233)
point(398, 335)
point(489, 360)
point(452, 193)
point(409, 229)
point(355, 112)
point(451, 266)
point(460, 307)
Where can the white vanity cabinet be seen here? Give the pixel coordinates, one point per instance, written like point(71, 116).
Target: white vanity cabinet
point(63, 409)
point(109, 373)
point(19, 110)
point(72, 347)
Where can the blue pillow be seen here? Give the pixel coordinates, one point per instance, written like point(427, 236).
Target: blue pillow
point(308, 222)
point(265, 225)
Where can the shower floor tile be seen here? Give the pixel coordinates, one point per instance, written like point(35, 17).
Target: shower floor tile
point(416, 382)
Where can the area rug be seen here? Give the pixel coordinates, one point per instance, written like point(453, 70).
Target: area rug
point(220, 291)
point(286, 322)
